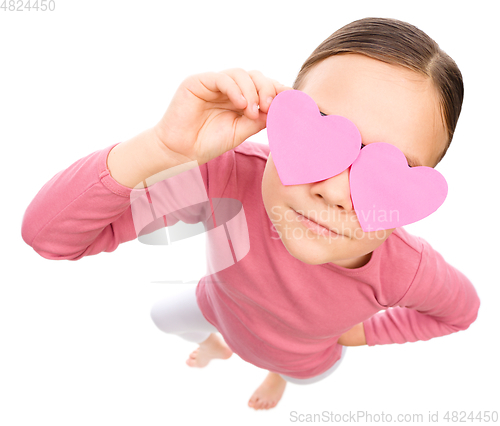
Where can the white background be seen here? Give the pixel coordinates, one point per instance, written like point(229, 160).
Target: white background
point(77, 343)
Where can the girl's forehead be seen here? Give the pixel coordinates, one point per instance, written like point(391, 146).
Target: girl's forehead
point(387, 103)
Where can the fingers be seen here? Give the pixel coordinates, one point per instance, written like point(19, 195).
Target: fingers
point(249, 92)
point(281, 88)
point(248, 89)
point(258, 90)
point(267, 89)
point(209, 85)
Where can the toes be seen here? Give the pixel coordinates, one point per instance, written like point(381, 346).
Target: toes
point(255, 403)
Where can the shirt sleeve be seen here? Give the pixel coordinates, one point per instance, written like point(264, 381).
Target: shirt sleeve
point(441, 300)
point(83, 211)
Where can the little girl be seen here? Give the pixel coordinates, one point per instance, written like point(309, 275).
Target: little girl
point(296, 299)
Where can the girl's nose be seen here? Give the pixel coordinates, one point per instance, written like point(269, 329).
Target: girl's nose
point(335, 191)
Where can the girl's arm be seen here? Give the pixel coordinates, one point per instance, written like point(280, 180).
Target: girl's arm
point(141, 157)
point(441, 300)
point(84, 210)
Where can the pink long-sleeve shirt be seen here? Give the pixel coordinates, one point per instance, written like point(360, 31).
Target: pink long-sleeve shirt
point(273, 310)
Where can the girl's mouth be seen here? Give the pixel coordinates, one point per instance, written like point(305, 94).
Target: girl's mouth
point(316, 227)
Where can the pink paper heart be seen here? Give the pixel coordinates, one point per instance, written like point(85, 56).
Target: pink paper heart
point(387, 193)
point(307, 147)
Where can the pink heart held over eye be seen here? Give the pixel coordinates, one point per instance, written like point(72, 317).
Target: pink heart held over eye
point(307, 147)
point(386, 193)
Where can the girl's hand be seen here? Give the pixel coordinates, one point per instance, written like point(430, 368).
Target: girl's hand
point(354, 337)
point(212, 113)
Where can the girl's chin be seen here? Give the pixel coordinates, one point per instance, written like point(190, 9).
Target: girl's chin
point(305, 252)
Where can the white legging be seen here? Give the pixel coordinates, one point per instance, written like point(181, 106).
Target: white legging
point(179, 314)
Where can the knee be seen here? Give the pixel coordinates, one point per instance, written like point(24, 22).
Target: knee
point(156, 316)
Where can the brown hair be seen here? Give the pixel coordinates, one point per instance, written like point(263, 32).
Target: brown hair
point(399, 43)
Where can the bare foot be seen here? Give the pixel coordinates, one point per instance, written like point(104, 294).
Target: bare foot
point(211, 348)
point(268, 393)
